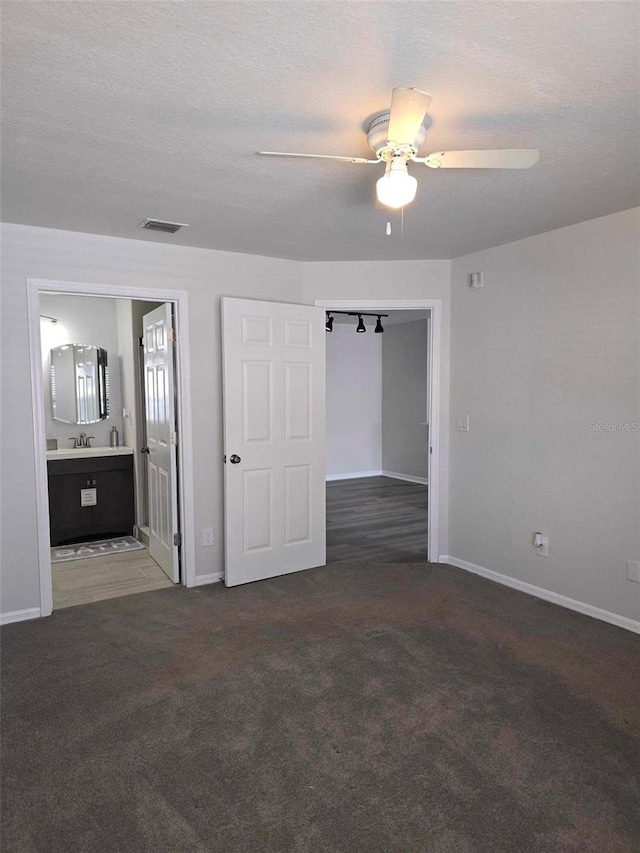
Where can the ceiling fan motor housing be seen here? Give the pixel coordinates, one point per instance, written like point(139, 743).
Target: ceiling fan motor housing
point(377, 137)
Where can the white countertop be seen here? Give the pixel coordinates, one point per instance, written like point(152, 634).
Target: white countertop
point(88, 452)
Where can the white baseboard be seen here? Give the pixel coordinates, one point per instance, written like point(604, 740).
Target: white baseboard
point(214, 577)
point(545, 594)
point(19, 615)
point(407, 477)
point(353, 475)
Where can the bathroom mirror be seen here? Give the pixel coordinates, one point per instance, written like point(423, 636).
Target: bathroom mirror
point(79, 384)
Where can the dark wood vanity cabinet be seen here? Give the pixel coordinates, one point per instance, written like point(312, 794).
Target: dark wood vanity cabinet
point(113, 513)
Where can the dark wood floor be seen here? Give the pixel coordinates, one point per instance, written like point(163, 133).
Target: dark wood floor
point(378, 519)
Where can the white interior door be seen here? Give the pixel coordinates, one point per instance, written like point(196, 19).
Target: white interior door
point(161, 439)
point(274, 437)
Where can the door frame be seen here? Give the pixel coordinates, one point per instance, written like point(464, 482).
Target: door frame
point(435, 352)
point(179, 299)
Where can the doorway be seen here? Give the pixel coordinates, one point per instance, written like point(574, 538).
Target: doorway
point(382, 430)
point(274, 433)
point(107, 509)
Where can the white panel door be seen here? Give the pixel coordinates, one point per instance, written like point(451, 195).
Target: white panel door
point(161, 439)
point(274, 437)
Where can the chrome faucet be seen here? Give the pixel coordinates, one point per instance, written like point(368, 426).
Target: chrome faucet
point(83, 441)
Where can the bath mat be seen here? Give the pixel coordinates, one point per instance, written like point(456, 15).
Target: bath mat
point(82, 550)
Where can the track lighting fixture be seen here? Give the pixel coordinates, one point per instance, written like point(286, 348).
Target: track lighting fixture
point(360, 328)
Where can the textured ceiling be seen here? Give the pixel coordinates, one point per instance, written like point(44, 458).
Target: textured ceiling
point(117, 111)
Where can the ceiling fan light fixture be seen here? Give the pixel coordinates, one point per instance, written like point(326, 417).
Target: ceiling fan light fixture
point(396, 188)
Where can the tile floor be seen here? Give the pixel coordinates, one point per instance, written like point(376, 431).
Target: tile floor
point(97, 578)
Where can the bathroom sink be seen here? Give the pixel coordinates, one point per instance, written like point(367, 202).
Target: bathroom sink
point(87, 452)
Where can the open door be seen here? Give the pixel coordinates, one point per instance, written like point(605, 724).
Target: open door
point(161, 440)
point(274, 437)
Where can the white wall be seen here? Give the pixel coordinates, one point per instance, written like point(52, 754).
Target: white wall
point(354, 390)
point(126, 353)
point(405, 438)
point(81, 320)
point(69, 256)
point(549, 347)
point(369, 280)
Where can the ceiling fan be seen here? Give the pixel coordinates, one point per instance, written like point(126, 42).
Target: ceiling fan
point(396, 136)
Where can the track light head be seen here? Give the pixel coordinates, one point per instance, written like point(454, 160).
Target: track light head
point(378, 329)
point(360, 327)
point(329, 323)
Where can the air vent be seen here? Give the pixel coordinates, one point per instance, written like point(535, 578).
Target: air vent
point(161, 225)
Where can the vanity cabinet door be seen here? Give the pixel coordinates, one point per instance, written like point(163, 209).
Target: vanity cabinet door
point(114, 512)
point(68, 519)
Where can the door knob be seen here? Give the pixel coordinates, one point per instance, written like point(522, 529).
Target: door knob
point(234, 459)
point(144, 450)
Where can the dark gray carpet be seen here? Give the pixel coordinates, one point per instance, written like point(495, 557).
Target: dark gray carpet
point(352, 708)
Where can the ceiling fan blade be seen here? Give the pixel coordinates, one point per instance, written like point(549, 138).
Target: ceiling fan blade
point(508, 158)
point(317, 156)
point(408, 108)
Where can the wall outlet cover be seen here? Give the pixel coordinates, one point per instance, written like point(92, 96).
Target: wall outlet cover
point(207, 536)
point(541, 543)
point(633, 571)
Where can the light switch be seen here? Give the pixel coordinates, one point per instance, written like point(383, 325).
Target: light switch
point(462, 423)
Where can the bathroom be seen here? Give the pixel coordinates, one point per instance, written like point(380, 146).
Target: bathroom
point(110, 493)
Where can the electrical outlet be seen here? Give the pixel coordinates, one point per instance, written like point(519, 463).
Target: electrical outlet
point(207, 536)
point(541, 544)
point(633, 571)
